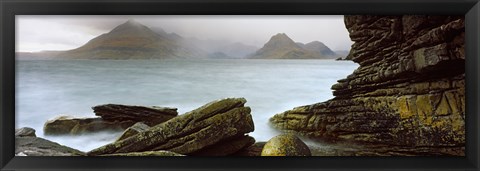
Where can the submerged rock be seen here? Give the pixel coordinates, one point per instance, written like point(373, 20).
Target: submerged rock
point(75, 126)
point(148, 115)
point(285, 145)
point(133, 130)
point(409, 90)
point(193, 131)
point(25, 132)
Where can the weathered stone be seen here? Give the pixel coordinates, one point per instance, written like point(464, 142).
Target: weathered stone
point(253, 150)
point(76, 126)
point(25, 132)
point(148, 115)
point(409, 90)
point(133, 130)
point(146, 153)
point(285, 145)
point(195, 130)
point(34, 146)
point(226, 147)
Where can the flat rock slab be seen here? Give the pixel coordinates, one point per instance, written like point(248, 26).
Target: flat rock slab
point(212, 123)
point(148, 115)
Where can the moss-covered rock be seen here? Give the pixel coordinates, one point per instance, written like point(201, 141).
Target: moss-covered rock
point(285, 145)
point(193, 131)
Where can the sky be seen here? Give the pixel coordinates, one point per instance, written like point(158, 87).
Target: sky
point(63, 32)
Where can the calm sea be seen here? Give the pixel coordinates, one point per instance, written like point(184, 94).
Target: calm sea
point(46, 89)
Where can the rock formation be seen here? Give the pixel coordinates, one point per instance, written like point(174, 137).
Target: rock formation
point(193, 131)
point(149, 115)
point(408, 92)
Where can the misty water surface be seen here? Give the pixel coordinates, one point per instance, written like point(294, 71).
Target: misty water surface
point(46, 89)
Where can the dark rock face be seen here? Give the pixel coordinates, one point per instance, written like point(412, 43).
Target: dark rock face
point(191, 132)
point(148, 115)
point(409, 90)
point(226, 147)
point(76, 126)
point(253, 150)
point(25, 132)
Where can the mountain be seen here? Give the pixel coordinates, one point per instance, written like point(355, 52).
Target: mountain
point(320, 48)
point(43, 55)
point(280, 46)
point(132, 40)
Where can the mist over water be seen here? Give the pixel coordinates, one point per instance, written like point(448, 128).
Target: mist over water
point(47, 89)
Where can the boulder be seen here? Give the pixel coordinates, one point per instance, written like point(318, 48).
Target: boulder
point(285, 145)
point(226, 147)
point(253, 150)
point(34, 146)
point(75, 126)
point(25, 132)
point(148, 115)
point(133, 130)
point(195, 130)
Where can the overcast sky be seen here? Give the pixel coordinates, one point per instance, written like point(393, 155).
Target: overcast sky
point(60, 32)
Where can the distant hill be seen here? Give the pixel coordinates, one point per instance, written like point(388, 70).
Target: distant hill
point(132, 40)
point(43, 55)
point(280, 46)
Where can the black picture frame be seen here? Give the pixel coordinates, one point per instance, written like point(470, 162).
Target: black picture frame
point(10, 8)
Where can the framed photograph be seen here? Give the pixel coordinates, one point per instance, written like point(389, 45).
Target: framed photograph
point(239, 85)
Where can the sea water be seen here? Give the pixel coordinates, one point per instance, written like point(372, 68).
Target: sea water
point(47, 89)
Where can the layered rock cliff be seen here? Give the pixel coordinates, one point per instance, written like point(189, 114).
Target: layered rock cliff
point(408, 92)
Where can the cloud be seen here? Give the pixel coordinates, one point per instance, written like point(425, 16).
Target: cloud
point(69, 32)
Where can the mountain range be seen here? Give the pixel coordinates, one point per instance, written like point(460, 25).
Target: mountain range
point(280, 46)
point(132, 40)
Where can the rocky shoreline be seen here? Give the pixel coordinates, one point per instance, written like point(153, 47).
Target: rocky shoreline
point(219, 128)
